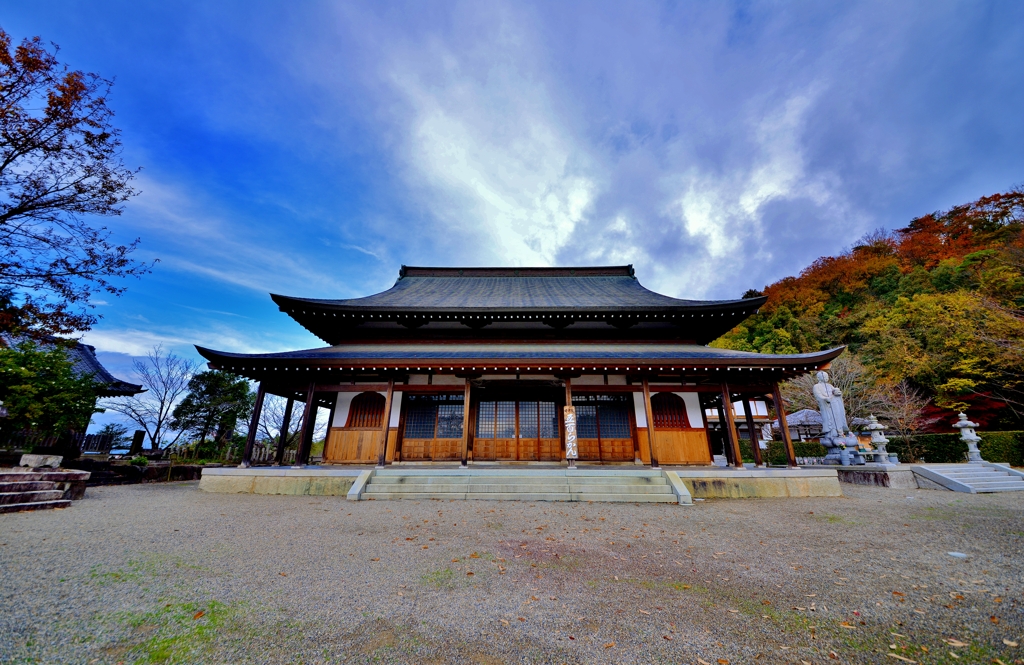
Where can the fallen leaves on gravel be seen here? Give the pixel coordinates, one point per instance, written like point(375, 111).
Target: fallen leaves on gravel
point(723, 661)
point(703, 662)
point(667, 637)
point(846, 624)
point(1009, 643)
point(283, 574)
point(954, 643)
point(897, 657)
point(994, 619)
point(645, 612)
point(375, 559)
point(609, 645)
point(198, 615)
point(503, 621)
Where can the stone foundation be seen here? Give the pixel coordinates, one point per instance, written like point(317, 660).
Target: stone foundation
point(760, 483)
point(309, 481)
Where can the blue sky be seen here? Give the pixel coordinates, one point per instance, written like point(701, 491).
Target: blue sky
point(310, 148)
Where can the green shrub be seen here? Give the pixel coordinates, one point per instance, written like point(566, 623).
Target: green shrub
point(140, 461)
point(776, 453)
point(945, 448)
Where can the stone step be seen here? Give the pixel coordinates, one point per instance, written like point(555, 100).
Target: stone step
point(30, 497)
point(512, 488)
point(519, 480)
point(32, 486)
point(477, 471)
point(523, 496)
point(41, 505)
point(1012, 484)
point(1008, 488)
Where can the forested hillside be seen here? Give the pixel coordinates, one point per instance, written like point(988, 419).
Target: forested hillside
point(937, 305)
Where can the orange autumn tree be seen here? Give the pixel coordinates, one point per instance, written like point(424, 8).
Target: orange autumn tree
point(938, 304)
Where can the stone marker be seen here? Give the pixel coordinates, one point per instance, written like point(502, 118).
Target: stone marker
point(966, 428)
point(38, 461)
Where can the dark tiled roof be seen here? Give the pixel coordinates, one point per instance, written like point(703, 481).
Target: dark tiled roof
point(84, 361)
point(480, 352)
point(480, 289)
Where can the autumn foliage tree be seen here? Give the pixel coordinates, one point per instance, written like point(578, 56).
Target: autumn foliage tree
point(60, 166)
point(938, 304)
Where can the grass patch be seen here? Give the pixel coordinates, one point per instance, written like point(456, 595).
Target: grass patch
point(179, 632)
point(439, 579)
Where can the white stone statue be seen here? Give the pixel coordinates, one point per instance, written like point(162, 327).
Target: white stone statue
point(831, 407)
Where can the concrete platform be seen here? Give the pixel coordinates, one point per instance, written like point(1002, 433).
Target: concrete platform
point(307, 480)
point(719, 483)
point(552, 482)
point(877, 475)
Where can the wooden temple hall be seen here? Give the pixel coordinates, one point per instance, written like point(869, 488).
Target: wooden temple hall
point(471, 365)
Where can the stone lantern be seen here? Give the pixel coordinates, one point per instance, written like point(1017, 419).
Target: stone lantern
point(879, 442)
point(967, 433)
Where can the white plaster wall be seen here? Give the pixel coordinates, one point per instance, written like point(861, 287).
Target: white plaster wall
point(341, 409)
point(641, 410)
point(448, 380)
point(589, 380)
point(616, 379)
point(396, 408)
point(693, 413)
point(418, 379)
point(344, 403)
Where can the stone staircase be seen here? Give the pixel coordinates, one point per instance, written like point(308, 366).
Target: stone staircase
point(524, 484)
point(972, 478)
point(39, 490)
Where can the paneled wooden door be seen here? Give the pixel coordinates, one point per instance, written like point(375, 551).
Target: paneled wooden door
point(517, 430)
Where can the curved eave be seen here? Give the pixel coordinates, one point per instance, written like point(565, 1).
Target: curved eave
point(320, 360)
point(291, 304)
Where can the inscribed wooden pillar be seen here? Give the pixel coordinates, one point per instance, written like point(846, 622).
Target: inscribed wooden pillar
point(753, 433)
point(780, 409)
point(730, 427)
point(465, 425)
point(282, 437)
point(384, 426)
point(650, 424)
point(254, 424)
point(308, 425)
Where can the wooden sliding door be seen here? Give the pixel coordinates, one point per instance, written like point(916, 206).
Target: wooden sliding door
point(517, 430)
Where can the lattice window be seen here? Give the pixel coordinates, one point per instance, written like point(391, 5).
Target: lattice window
point(603, 416)
point(505, 422)
point(527, 420)
point(586, 421)
point(449, 421)
point(485, 420)
point(366, 411)
point(669, 411)
point(434, 417)
point(548, 417)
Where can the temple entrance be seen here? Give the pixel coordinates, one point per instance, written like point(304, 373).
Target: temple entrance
point(517, 430)
point(432, 427)
point(604, 425)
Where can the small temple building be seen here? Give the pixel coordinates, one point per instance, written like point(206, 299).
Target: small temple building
point(473, 365)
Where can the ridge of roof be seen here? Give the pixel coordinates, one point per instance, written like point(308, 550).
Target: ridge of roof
point(531, 271)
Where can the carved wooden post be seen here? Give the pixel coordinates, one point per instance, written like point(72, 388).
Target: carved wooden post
point(780, 409)
point(753, 433)
point(308, 425)
point(650, 424)
point(254, 424)
point(282, 438)
point(730, 425)
point(386, 425)
point(465, 425)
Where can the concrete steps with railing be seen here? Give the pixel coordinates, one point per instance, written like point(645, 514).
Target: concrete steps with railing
point(972, 478)
point(629, 485)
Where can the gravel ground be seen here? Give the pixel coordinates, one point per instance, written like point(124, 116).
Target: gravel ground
point(166, 573)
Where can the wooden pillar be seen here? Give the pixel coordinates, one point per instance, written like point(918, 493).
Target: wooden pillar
point(748, 414)
point(703, 404)
point(726, 447)
point(387, 423)
point(282, 437)
point(254, 425)
point(465, 425)
point(650, 424)
point(730, 427)
point(780, 409)
point(308, 425)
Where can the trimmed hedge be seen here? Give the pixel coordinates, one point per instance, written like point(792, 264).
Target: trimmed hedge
point(776, 453)
point(935, 448)
point(939, 448)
